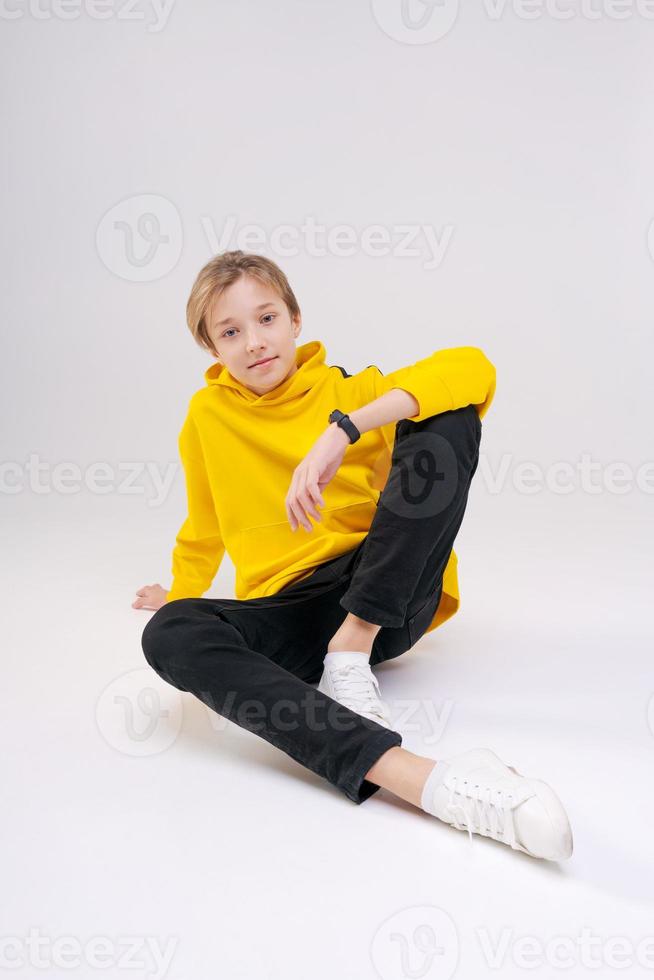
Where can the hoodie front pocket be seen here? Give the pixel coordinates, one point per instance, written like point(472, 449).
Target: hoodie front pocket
point(269, 548)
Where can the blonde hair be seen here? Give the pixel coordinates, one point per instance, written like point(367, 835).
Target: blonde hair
point(219, 273)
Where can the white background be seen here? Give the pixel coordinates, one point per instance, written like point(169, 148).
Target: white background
point(530, 139)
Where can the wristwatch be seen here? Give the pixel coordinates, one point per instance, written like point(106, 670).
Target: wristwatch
point(345, 423)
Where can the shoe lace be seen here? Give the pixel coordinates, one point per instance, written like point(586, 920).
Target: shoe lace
point(484, 810)
point(357, 688)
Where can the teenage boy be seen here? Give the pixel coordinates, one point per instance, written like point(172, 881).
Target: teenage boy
point(382, 465)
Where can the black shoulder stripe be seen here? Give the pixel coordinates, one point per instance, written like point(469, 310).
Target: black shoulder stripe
point(346, 375)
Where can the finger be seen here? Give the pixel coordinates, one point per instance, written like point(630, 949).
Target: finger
point(318, 497)
point(292, 519)
point(309, 507)
point(304, 502)
point(289, 504)
point(300, 516)
point(314, 489)
point(289, 512)
point(306, 496)
point(297, 514)
point(294, 503)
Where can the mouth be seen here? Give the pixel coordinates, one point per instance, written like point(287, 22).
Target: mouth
point(261, 363)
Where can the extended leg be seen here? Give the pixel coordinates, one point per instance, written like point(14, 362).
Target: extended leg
point(193, 646)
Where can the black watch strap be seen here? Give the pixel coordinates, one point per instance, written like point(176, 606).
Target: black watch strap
point(345, 423)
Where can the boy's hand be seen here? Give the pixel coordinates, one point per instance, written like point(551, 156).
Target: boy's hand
point(150, 597)
point(313, 473)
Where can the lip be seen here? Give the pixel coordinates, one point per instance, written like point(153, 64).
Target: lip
point(262, 363)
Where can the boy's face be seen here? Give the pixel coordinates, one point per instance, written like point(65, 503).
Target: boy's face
point(250, 321)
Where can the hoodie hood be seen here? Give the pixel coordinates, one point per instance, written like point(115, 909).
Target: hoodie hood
point(311, 367)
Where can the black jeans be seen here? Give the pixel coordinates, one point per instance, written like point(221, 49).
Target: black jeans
point(254, 661)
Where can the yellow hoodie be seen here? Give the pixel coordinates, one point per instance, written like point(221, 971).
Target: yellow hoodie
point(239, 451)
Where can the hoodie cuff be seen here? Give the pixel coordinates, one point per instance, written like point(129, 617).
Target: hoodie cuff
point(184, 590)
point(431, 393)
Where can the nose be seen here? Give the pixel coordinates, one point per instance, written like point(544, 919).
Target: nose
point(254, 343)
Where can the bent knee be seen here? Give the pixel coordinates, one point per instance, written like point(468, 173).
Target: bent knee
point(461, 427)
point(160, 631)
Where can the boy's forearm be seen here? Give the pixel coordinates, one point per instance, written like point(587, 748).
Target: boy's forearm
point(392, 406)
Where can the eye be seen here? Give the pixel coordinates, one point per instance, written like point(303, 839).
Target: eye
point(226, 333)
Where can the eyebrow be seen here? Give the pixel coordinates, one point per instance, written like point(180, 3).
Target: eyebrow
point(229, 319)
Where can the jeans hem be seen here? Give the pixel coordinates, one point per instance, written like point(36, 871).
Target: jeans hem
point(358, 788)
point(371, 613)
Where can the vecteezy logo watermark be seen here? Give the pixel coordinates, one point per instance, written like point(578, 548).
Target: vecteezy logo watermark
point(563, 477)
point(342, 241)
point(426, 477)
point(139, 714)
point(419, 715)
point(426, 21)
point(314, 711)
point(565, 952)
point(100, 477)
point(156, 11)
point(144, 953)
point(140, 238)
point(415, 21)
point(418, 942)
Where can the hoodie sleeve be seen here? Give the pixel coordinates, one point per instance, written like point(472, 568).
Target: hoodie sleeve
point(446, 380)
point(199, 547)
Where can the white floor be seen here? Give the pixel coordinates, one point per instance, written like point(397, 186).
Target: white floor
point(132, 812)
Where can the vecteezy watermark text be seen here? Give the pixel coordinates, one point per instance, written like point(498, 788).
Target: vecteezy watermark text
point(156, 12)
point(342, 241)
point(140, 238)
point(101, 478)
point(561, 952)
point(154, 480)
point(408, 715)
point(426, 21)
point(144, 953)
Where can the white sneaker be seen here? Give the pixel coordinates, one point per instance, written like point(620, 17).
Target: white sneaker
point(348, 679)
point(477, 792)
